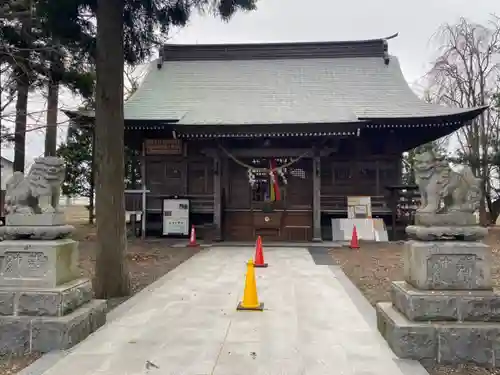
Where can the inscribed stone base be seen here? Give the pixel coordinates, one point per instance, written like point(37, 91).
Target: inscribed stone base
point(57, 301)
point(447, 343)
point(446, 305)
point(449, 233)
point(23, 232)
point(36, 220)
point(42, 264)
point(20, 334)
point(447, 265)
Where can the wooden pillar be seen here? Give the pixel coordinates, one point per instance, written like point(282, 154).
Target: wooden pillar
point(377, 169)
point(217, 197)
point(316, 197)
point(144, 191)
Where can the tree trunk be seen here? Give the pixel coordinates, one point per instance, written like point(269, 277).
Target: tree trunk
point(21, 119)
point(21, 72)
point(111, 273)
point(52, 108)
point(92, 179)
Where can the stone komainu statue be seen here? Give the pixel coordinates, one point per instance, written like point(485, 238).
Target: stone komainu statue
point(44, 180)
point(443, 190)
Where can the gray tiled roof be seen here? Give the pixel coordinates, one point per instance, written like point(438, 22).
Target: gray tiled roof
point(279, 91)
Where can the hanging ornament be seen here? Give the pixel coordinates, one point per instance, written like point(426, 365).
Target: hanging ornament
point(274, 183)
point(251, 177)
point(272, 175)
point(282, 175)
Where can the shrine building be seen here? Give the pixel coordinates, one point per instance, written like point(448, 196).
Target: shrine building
point(271, 139)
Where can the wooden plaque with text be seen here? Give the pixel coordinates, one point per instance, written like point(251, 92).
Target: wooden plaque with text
point(163, 147)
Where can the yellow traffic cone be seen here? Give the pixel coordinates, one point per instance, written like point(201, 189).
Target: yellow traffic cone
point(250, 298)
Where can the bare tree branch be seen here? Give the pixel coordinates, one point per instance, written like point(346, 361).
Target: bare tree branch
point(466, 74)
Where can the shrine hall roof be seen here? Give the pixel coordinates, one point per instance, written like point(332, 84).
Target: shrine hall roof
point(280, 83)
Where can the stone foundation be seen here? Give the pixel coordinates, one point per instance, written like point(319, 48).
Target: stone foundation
point(21, 334)
point(57, 301)
point(446, 309)
point(443, 342)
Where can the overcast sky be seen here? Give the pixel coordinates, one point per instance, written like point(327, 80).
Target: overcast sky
point(323, 20)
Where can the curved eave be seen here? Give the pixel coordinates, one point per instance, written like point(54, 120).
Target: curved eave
point(87, 118)
point(455, 116)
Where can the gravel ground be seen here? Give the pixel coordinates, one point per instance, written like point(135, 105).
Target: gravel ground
point(374, 266)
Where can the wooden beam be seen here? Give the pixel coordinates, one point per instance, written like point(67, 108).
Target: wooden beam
point(270, 152)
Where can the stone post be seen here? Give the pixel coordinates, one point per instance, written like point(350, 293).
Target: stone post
point(45, 304)
point(445, 310)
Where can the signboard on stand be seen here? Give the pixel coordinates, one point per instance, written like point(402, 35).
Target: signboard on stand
point(359, 207)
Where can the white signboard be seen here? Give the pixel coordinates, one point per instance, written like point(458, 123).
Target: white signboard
point(359, 207)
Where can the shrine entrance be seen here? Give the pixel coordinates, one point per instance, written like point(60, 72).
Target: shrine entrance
point(269, 197)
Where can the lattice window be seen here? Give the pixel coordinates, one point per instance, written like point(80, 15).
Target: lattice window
point(298, 172)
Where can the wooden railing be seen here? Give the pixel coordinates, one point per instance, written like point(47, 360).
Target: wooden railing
point(338, 204)
point(202, 203)
point(199, 203)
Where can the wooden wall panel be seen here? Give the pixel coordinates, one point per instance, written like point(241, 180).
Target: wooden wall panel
point(237, 192)
point(359, 177)
point(299, 187)
point(180, 176)
point(200, 179)
point(166, 175)
point(295, 226)
point(237, 226)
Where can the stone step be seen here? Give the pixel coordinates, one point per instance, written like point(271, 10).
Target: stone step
point(57, 301)
point(445, 305)
point(21, 334)
point(447, 343)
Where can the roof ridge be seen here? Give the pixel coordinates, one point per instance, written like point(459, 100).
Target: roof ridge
point(276, 50)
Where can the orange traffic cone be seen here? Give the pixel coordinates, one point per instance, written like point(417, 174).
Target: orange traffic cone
point(250, 298)
point(354, 239)
point(192, 238)
point(259, 254)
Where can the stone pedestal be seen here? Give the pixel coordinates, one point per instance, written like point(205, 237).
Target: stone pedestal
point(46, 226)
point(44, 303)
point(446, 309)
point(38, 220)
point(38, 263)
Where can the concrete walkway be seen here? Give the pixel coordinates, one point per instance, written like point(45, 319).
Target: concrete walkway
point(188, 324)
